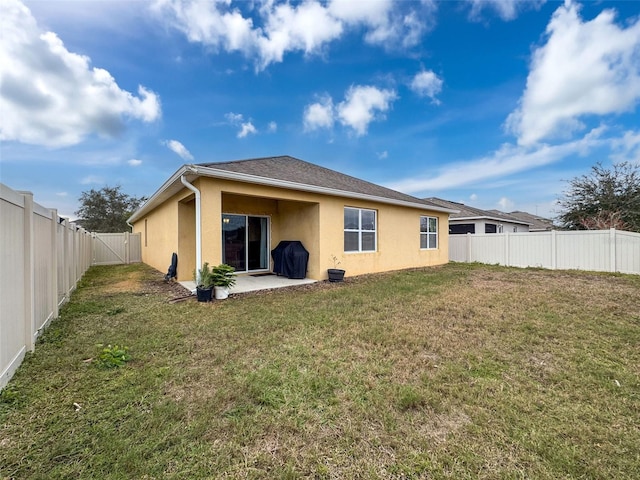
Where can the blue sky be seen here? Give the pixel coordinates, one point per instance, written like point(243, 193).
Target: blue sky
point(492, 103)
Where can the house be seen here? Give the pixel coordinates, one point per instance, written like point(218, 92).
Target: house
point(474, 220)
point(536, 223)
point(237, 212)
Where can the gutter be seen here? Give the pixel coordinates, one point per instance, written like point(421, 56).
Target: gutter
point(184, 181)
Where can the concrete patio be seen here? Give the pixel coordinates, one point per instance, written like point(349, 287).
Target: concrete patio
point(250, 283)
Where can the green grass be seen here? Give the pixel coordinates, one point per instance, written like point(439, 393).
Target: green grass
point(461, 371)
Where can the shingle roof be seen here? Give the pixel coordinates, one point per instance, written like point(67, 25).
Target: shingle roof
point(466, 211)
point(291, 169)
point(536, 222)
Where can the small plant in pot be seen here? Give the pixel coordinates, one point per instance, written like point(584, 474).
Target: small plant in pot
point(335, 274)
point(204, 283)
point(223, 277)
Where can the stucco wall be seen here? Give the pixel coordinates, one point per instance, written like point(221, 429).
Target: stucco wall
point(317, 220)
point(159, 234)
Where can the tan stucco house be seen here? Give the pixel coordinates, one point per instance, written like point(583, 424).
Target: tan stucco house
point(237, 212)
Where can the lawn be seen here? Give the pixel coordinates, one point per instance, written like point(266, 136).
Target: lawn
point(460, 371)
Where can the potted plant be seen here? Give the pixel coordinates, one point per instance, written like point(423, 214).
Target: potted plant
point(204, 283)
point(335, 274)
point(223, 278)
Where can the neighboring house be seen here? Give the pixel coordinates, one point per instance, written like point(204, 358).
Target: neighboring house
point(536, 223)
point(237, 212)
point(474, 220)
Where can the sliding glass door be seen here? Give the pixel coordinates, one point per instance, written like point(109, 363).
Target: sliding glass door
point(245, 242)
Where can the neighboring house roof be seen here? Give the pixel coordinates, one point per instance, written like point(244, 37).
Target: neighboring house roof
point(465, 212)
point(286, 172)
point(536, 223)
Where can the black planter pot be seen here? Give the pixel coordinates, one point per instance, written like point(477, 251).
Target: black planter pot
point(335, 275)
point(204, 294)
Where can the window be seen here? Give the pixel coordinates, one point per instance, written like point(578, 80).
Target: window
point(490, 228)
point(359, 230)
point(428, 232)
point(462, 228)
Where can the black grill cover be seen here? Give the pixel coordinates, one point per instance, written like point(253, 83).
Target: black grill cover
point(290, 259)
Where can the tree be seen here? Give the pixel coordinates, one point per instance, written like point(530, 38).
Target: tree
point(605, 198)
point(107, 209)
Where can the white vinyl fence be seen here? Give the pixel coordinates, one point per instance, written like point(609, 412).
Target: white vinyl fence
point(594, 250)
point(42, 258)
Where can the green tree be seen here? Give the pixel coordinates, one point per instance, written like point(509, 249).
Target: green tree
point(106, 210)
point(604, 198)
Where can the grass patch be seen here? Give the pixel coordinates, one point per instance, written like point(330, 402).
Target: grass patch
point(461, 371)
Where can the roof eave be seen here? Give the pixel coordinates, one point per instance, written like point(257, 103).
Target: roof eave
point(496, 219)
point(156, 198)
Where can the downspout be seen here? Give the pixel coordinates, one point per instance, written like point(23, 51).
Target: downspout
point(198, 218)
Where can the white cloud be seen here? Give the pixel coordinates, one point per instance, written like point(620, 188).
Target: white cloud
point(135, 162)
point(473, 197)
point(383, 155)
point(506, 9)
point(92, 179)
point(362, 105)
point(179, 149)
point(237, 119)
point(62, 194)
point(208, 23)
point(305, 27)
point(507, 160)
point(245, 129)
point(505, 204)
point(319, 115)
point(53, 97)
point(233, 118)
point(585, 68)
point(427, 84)
point(627, 148)
point(272, 127)
point(274, 28)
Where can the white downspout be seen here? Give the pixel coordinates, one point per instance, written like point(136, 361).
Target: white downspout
point(198, 222)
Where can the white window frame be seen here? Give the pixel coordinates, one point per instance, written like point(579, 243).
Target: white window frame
point(360, 230)
point(427, 233)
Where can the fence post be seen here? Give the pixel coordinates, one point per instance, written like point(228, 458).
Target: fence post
point(53, 274)
point(612, 250)
point(29, 278)
point(468, 237)
point(65, 262)
point(507, 263)
point(554, 250)
point(127, 253)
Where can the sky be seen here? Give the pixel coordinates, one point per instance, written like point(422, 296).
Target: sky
point(493, 103)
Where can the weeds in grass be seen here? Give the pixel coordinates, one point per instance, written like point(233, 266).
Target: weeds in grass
point(112, 356)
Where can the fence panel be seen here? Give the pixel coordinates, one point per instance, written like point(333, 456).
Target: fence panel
point(529, 249)
point(591, 250)
point(12, 347)
point(627, 252)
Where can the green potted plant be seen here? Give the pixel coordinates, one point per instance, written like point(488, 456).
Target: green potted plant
point(223, 277)
point(335, 274)
point(204, 283)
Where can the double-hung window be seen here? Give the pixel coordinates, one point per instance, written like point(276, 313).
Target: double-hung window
point(428, 232)
point(359, 230)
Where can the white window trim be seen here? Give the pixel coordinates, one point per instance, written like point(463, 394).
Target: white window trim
point(427, 233)
point(359, 230)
